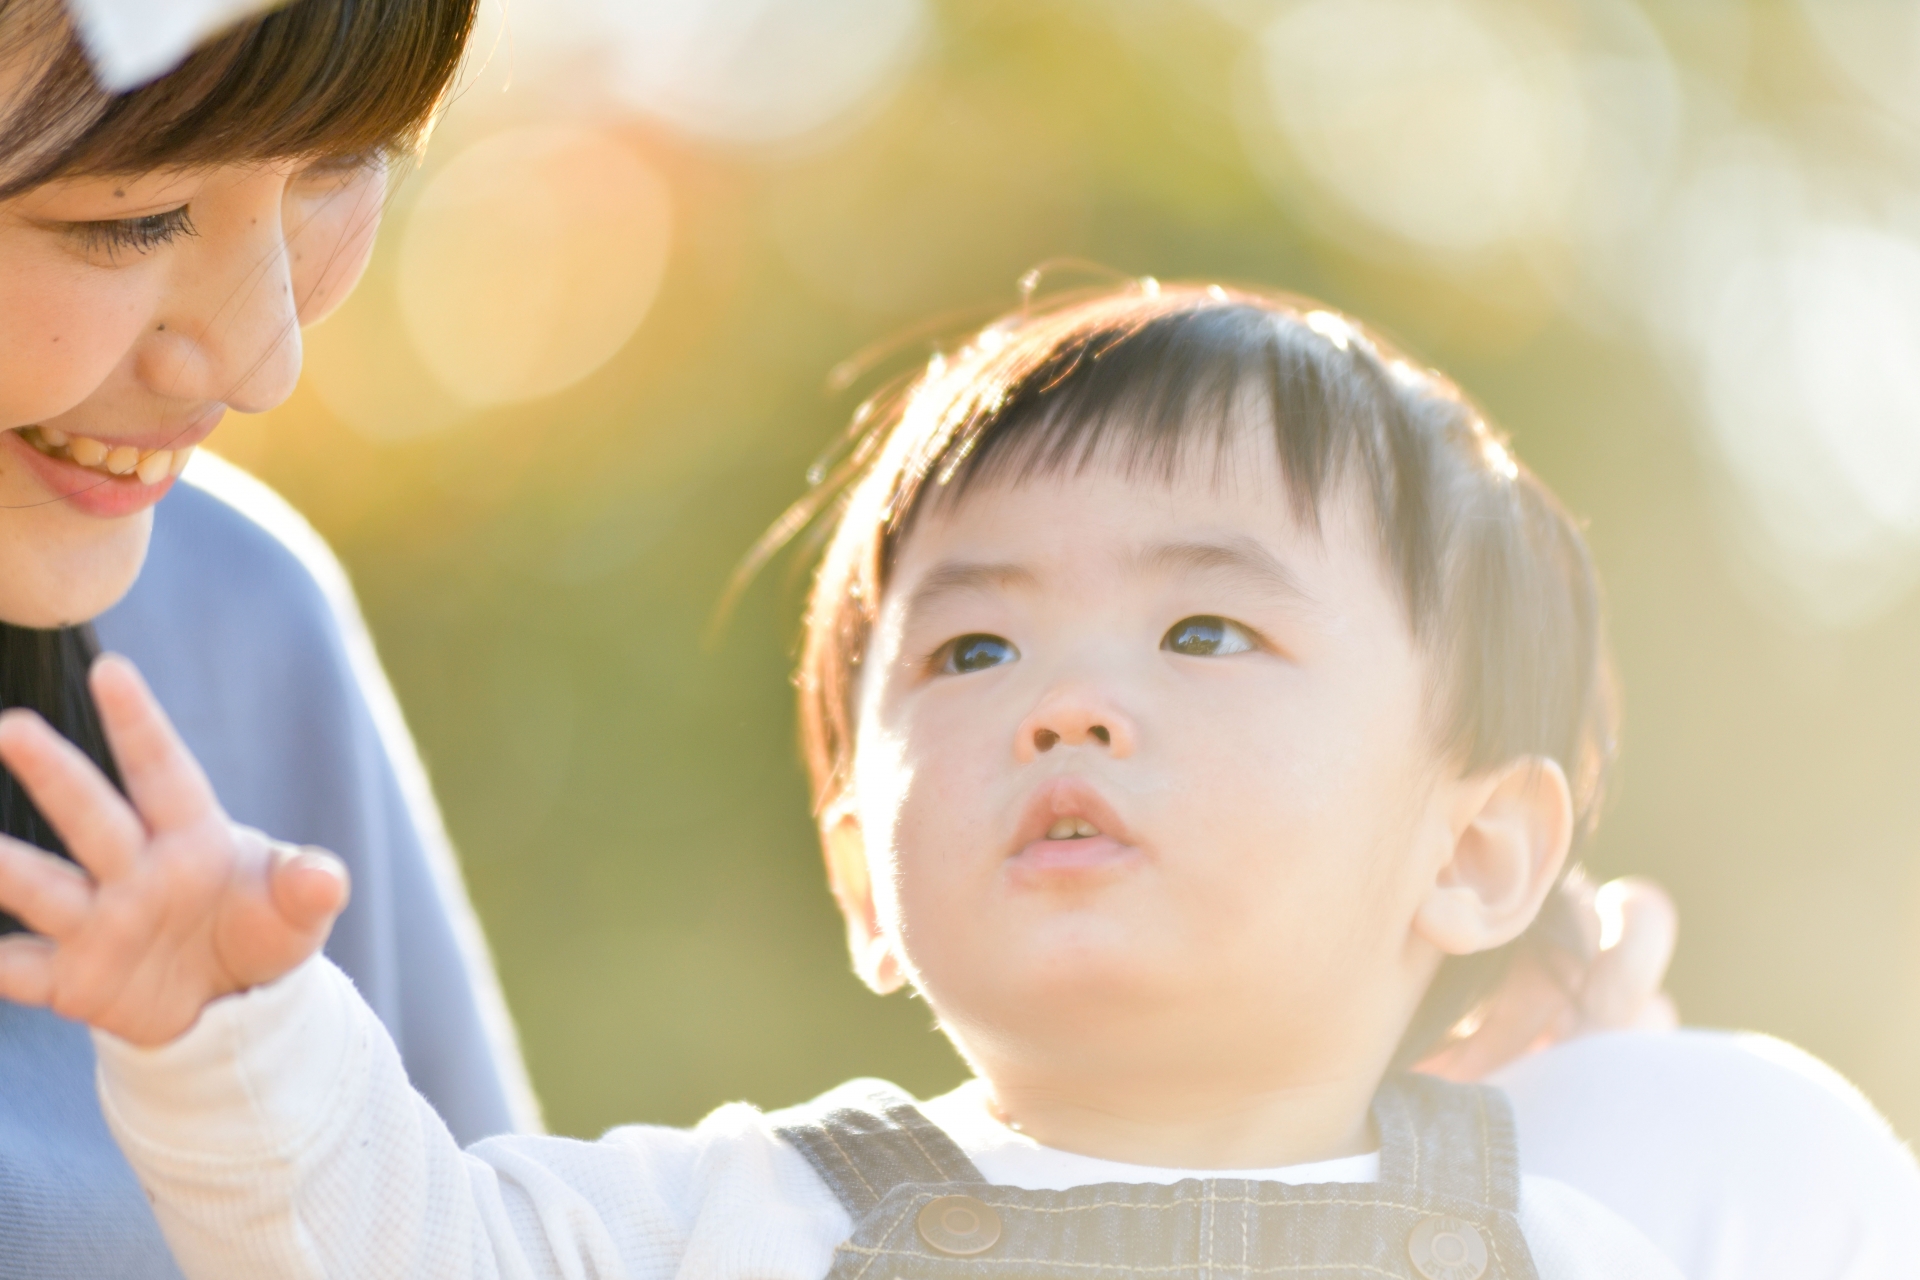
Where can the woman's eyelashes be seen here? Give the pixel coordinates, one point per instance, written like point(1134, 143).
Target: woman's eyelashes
point(113, 236)
point(1208, 636)
point(976, 652)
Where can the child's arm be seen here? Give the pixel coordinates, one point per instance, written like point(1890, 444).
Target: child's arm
point(261, 1102)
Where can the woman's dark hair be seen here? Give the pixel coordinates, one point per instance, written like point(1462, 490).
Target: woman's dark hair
point(318, 79)
point(47, 671)
point(1492, 574)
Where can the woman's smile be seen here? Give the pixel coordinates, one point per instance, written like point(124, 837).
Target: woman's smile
point(103, 478)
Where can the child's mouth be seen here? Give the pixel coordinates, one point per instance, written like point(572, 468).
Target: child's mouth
point(1070, 838)
point(112, 462)
point(1072, 855)
point(1072, 852)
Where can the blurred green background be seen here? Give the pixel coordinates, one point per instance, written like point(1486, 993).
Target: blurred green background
point(1671, 248)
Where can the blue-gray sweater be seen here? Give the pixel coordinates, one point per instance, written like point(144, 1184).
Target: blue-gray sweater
point(239, 622)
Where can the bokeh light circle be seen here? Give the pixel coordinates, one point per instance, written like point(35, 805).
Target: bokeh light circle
point(1812, 371)
point(530, 259)
point(738, 71)
point(1450, 124)
point(1877, 44)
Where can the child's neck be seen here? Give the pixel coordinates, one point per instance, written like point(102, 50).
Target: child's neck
point(1193, 1126)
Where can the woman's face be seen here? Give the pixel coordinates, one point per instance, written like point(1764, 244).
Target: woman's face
point(134, 312)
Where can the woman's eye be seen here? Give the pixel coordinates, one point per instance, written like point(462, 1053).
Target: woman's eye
point(974, 653)
point(1208, 637)
point(140, 235)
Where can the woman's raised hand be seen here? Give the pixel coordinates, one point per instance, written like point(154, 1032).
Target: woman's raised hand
point(181, 906)
point(1631, 926)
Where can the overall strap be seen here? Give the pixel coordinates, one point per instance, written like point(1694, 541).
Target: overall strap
point(867, 1137)
point(1455, 1139)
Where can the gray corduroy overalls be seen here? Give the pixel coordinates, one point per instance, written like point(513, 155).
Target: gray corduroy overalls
point(1444, 1208)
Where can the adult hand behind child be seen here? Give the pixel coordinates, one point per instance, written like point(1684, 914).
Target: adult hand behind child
point(1632, 925)
point(183, 905)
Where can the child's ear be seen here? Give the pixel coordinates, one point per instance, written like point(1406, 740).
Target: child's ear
point(1515, 824)
point(852, 884)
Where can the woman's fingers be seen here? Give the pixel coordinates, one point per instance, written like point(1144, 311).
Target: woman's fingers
point(102, 833)
point(1630, 935)
point(162, 778)
point(1661, 1014)
point(1529, 1008)
point(47, 894)
point(1638, 928)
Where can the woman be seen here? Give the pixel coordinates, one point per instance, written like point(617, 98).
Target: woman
point(159, 251)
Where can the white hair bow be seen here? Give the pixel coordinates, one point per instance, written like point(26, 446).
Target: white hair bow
point(134, 41)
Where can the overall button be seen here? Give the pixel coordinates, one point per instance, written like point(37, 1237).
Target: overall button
point(1447, 1249)
point(961, 1226)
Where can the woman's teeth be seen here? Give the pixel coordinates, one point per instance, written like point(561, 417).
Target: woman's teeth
point(1071, 829)
point(152, 466)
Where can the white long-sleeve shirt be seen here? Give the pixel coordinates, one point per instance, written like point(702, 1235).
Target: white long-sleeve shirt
point(280, 1137)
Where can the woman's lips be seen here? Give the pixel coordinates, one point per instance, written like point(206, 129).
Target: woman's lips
point(82, 488)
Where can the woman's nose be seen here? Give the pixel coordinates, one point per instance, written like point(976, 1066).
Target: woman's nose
point(228, 329)
point(248, 359)
point(1075, 716)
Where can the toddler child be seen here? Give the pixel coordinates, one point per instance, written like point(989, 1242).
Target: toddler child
point(1201, 705)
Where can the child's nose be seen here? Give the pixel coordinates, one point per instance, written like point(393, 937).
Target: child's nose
point(1074, 718)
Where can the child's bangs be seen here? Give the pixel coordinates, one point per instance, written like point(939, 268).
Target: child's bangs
point(1146, 401)
point(320, 78)
point(1185, 387)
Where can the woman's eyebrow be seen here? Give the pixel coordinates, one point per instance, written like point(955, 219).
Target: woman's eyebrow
point(1241, 558)
point(959, 577)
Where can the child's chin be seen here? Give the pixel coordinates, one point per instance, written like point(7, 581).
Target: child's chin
point(1083, 991)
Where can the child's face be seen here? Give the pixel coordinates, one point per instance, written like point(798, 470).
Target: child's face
point(1145, 778)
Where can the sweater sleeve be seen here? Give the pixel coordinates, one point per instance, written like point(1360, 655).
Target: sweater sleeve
point(1741, 1157)
point(280, 1138)
point(1575, 1238)
point(248, 631)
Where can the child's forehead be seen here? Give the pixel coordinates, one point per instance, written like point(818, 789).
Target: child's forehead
point(1221, 503)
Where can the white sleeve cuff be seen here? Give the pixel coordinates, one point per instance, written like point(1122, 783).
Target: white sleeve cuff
point(259, 1074)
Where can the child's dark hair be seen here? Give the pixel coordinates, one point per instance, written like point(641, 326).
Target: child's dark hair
point(314, 79)
point(1493, 574)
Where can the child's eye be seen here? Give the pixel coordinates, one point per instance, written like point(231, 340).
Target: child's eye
point(973, 653)
point(140, 235)
point(1208, 637)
